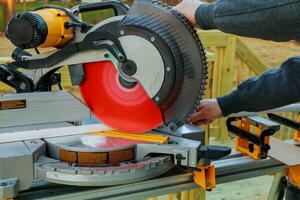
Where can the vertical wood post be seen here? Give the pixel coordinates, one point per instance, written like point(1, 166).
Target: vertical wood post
point(9, 9)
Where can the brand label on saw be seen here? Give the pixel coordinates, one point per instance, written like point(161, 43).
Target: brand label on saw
point(13, 104)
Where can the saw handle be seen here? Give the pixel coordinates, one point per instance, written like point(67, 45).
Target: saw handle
point(118, 7)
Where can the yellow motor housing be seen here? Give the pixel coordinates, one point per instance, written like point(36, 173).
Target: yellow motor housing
point(40, 28)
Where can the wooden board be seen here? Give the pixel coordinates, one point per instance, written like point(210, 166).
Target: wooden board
point(284, 152)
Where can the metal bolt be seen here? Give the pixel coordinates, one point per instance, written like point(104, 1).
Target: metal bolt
point(172, 127)
point(156, 98)
point(22, 86)
point(106, 55)
point(122, 32)
point(168, 69)
point(152, 39)
point(121, 57)
point(9, 78)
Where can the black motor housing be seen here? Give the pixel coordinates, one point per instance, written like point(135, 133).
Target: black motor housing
point(27, 30)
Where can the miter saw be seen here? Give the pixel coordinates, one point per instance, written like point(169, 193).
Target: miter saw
point(142, 70)
point(136, 71)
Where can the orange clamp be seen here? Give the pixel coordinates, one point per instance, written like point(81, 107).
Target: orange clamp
point(205, 176)
point(297, 136)
point(294, 175)
point(245, 146)
point(297, 133)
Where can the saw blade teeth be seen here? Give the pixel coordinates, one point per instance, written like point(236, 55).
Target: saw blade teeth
point(203, 67)
point(189, 117)
point(188, 24)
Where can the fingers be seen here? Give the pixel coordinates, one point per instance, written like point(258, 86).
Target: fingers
point(201, 106)
point(200, 114)
point(202, 122)
point(197, 116)
point(207, 111)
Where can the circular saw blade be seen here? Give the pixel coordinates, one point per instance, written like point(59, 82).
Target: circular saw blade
point(124, 109)
point(186, 51)
point(182, 77)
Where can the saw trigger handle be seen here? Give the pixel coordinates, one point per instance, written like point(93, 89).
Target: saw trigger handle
point(118, 7)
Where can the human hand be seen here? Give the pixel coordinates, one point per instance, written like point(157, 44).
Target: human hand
point(208, 111)
point(188, 9)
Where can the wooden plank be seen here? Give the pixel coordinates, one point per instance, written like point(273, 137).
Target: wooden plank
point(273, 193)
point(178, 196)
point(227, 81)
point(208, 95)
point(65, 77)
point(210, 56)
point(250, 58)
point(170, 196)
point(213, 38)
point(228, 66)
point(9, 9)
point(216, 86)
point(4, 60)
point(284, 152)
point(217, 73)
point(197, 194)
point(185, 195)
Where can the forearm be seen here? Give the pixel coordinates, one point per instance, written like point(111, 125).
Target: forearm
point(274, 88)
point(267, 19)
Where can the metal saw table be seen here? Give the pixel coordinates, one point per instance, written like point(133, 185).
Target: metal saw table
point(176, 180)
